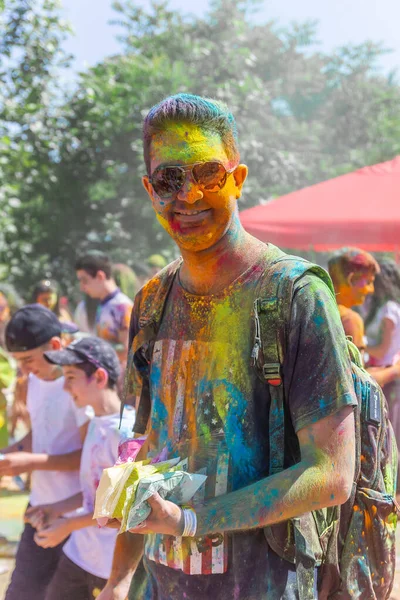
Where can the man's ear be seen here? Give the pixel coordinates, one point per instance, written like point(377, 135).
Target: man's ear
point(56, 343)
point(101, 276)
point(101, 377)
point(350, 279)
point(240, 176)
point(147, 186)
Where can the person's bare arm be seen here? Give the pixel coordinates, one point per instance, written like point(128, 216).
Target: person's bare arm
point(15, 463)
point(385, 375)
point(324, 477)
point(23, 445)
point(380, 349)
point(127, 555)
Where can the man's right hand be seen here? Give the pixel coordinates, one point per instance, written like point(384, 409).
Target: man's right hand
point(111, 592)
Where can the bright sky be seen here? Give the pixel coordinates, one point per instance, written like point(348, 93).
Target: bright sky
point(341, 22)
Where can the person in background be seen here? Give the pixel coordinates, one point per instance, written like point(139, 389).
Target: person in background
point(353, 272)
point(383, 334)
point(383, 319)
point(51, 450)
point(47, 293)
point(85, 315)
point(94, 272)
point(91, 369)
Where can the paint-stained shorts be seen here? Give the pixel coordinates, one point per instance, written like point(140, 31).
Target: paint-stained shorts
point(70, 582)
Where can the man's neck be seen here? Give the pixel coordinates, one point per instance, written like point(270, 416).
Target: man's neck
point(212, 270)
point(108, 288)
point(108, 403)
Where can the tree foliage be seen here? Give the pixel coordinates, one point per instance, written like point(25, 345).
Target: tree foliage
point(71, 167)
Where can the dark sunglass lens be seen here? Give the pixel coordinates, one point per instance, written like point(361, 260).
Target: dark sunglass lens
point(168, 181)
point(210, 175)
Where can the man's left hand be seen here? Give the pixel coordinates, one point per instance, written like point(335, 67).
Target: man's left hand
point(165, 517)
point(53, 535)
point(16, 463)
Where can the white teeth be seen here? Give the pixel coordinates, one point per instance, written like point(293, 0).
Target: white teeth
point(191, 212)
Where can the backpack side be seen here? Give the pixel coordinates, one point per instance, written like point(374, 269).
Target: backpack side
point(367, 527)
point(354, 545)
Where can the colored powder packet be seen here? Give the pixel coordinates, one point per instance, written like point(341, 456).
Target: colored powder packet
point(177, 486)
point(129, 449)
point(117, 486)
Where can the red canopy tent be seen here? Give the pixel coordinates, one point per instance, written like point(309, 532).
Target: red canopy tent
point(358, 209)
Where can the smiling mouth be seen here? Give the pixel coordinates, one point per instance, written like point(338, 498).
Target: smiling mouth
point(191, 213)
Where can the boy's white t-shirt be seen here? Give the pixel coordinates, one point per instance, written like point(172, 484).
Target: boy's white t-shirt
point(55, 422)
point(92, 548)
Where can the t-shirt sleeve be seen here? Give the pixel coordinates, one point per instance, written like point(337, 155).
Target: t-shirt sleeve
point(317, 368)
point(133, 379)
point(391, 311)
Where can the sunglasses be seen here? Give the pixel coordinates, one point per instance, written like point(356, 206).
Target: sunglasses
point(210, 176)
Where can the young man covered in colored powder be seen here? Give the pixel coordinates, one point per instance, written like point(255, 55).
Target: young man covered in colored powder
point(353, 274)
point(207, 403)
point(91, 369)
point(94, 272)
point(51, 451)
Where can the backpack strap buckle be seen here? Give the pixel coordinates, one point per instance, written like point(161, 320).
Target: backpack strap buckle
point(272, 373)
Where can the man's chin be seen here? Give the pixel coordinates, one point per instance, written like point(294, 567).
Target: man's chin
point(195, 243)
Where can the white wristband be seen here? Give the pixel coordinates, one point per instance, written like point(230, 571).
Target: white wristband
point(190, 520)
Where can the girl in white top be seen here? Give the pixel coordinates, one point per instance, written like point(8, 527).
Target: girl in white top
point(383, 321)
point(91, 369)
point(383, 333)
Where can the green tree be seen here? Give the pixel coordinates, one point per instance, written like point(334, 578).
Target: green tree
point(303, 116)
point(31, 37)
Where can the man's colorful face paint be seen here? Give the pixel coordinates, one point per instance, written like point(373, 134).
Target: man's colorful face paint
point(362, 286)
point(195, 217)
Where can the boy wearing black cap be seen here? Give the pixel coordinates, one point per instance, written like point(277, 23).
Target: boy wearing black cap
point(51, 450)
point(91, 369)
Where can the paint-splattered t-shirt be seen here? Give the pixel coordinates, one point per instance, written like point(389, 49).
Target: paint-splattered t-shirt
point(209, 407)
point(112, 316)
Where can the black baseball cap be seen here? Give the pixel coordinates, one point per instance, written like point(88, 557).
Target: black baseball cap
point(32, 326)
point(88, 349)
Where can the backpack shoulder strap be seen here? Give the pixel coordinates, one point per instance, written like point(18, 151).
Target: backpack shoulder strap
point(272, 310)
point(153, 300)
point(154, 295)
